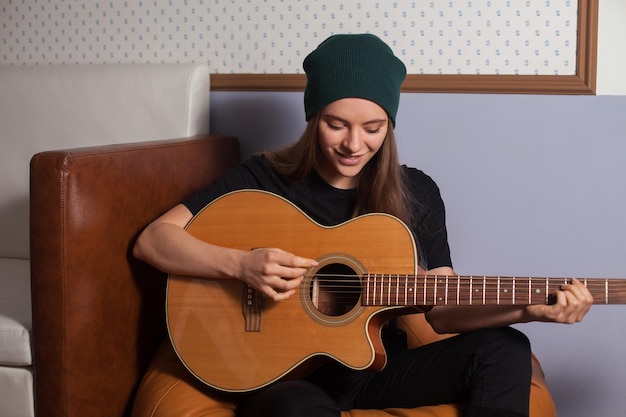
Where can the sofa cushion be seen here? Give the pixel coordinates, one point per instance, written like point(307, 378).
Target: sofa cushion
point(15, 312)
point(16, 392)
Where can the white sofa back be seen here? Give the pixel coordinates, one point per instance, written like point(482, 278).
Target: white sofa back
point(61, 107)
point(58, 107)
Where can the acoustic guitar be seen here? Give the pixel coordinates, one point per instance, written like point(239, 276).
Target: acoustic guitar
point(235, 340)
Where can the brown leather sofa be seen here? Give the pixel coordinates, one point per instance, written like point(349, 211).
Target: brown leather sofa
point(98, 313)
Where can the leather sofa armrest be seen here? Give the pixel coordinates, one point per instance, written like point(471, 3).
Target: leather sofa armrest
point(98, 313)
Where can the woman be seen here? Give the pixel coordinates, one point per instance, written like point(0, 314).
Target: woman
point(346, 164)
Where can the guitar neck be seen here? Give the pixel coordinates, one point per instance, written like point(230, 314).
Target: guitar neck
point(431, 290)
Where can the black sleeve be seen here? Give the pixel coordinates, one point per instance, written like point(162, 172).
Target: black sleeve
point(430, 226)
point(239, 177)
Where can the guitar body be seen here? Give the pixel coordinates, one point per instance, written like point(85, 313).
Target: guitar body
point(235, 340)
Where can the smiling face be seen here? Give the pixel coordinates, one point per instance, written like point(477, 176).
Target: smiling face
point(350, 132)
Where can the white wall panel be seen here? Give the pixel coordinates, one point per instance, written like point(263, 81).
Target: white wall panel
point(260, 36)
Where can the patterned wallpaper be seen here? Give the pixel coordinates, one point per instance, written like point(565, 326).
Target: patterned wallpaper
point(273, 36)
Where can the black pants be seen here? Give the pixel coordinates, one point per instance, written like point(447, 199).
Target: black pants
point(488, 371)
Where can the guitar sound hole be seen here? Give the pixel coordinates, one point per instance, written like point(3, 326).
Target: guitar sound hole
point(335, 289)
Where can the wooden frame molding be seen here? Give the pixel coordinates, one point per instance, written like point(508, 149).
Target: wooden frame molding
point(584, 82)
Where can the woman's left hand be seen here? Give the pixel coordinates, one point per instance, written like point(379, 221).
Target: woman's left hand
point(573, 302)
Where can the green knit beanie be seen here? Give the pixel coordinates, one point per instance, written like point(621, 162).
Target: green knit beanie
point(353, 66)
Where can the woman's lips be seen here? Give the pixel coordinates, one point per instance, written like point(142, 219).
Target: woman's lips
point(350, 160)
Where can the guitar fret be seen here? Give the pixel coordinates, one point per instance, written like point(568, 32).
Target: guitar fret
point(447, 282)
point(374, 290)
point(382, 289)
point(374, 294)
point(388, 289)
point(498, 292)
point(406, 285)
point(513, 294)
point(397, 290)
point(440, 283)
point(371, 286)
point(490, 290)
point(484, 288)
point(370, 298)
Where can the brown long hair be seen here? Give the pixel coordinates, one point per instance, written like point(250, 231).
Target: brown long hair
point(382, 186)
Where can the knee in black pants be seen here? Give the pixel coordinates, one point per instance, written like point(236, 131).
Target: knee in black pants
point(508, 348)
point(502, 373)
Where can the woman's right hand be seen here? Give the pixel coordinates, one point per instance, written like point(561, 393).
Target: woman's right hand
point(274, 272)
point(166, 245)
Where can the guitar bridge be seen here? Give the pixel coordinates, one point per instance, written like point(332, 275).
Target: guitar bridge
point(252, 305)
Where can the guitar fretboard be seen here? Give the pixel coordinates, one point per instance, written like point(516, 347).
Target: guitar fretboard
point(431, 290)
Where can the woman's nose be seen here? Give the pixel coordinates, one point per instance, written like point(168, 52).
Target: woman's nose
point(353, 140)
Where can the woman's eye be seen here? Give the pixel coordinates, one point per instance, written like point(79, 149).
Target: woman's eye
point(372, 131)
point(334, 127)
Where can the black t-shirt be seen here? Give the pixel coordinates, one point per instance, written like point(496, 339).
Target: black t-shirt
point(331, 206)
